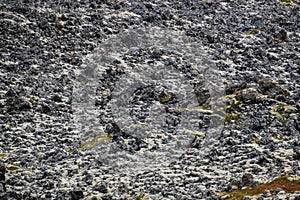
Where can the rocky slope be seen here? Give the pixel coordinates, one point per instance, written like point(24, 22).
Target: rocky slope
point(254, 46)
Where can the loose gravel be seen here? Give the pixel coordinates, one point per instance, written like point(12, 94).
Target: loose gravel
point(254, 46)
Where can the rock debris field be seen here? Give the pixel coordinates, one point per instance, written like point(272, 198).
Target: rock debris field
point(121, 99)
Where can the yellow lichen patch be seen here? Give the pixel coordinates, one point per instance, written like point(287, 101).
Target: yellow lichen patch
point(231, 117)
point(255, 139)
point(277, 38)
point(200, 107)
point(253, 32)
point(105, 92)
point(12, 167)
point(141, 197)
point(165, 98)
point(285, 183)
point(287, 2)
point(278, 137)
point(30, 99)
point(101, 137)
point(5, 12)
point(287, 108)
point(277, 114)
point(15, 168)
point(3, 154)
point(204, 108)
point(7, 126)
point(198, 134)
point(234, 103)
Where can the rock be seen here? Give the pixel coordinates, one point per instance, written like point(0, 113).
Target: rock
point(270, 87)
point(248, 95)
point(76, 195)
point(230, 89)
point(101, 187)
point(201, 93)
point(247, 180)
point(2, 172)
point(2, 181)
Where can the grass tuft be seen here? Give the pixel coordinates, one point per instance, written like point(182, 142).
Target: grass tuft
point(286, 183)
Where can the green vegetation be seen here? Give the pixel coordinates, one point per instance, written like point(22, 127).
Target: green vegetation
point(12, 167)
point(287, 2)
point(165, 98)
point(278, 137)
point(231, 117)
point(141, 197)
point(15, 168)
point(286, 183)
point(286, 108)
point(101, 137)
point(255, 139)
point(30, 99)
point(253, 32)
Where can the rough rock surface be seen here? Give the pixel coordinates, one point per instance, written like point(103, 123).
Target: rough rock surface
point(255, 45)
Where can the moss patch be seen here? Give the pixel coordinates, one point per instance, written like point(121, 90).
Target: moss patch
point(204, 107)
point(12, 167)
point(286, 183)
point(141, 197)
point(231, 117)
point(287, 2)
point(275, 110)
point(278, 137)
point(253, 32)
point(255, 139)
point(165, 98)
point(103, 137)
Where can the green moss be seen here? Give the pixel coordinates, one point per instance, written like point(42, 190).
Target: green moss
point(30, 99)
point(277, 114)
point(253, 32)
point(200, 107)
point(255, 139)
point(231, 117)
point(287, 2)
point(5, 12)
point(101, 137)
point(286, 108)
point(204, 107)
point(12, 167)
point(141, 197)
point(278, 137)
point(286, 183)
point(165, 98)
point(235, 103)
point(15, 168)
